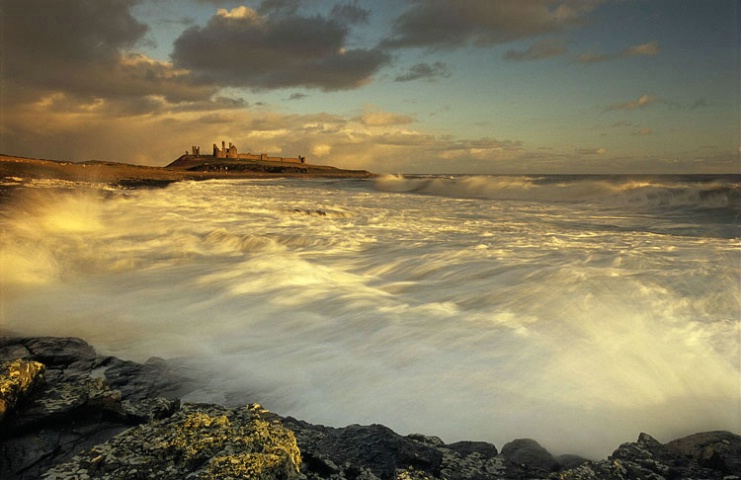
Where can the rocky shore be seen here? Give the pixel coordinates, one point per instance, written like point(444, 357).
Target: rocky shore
point(67, 412)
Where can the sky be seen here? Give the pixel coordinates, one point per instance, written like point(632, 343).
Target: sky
point(390, 86)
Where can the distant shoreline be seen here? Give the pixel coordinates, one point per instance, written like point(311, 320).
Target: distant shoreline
point(140, 176)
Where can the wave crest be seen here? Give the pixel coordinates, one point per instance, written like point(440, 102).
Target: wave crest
point(617, 191)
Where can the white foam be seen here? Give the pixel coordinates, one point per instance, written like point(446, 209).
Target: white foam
point(463, 318)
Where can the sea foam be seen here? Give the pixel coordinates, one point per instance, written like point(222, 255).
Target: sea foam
point(577, 323)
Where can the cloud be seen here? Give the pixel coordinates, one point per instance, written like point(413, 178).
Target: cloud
point(621, 123)
point(645, 49)
point(90, 31)
point(350, 13)
point(642, 132)
point(592, 151)
point(244, 48)
point(546, 48)
point(321, 150)
point(641, 102)
point(374, 117)
point(457, 23)
point(297, 96)
point(288, 7)
point(87, 57)
point(425, 71)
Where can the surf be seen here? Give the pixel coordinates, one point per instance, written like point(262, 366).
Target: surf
point(576, 323)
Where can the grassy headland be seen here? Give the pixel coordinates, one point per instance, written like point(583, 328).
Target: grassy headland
point(193, 168)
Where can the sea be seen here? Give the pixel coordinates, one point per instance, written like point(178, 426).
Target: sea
point(575, 310)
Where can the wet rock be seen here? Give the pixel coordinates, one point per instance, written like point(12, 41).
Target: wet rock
point(198, 442)
point(530, 455)
point(466, 448)
point(714, 450)
point(138, 381)
point(710, 456)
point(569, 461)
point(67, 409)
point(359, 450)
point(69, 413)
point(52, 351)
point(471, 465)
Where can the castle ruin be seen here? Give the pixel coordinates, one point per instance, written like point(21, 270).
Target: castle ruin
point(231, 152)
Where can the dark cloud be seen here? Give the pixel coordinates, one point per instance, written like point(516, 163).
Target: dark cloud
point(297, 96)
point(40, 36)
point(78, 49)
point(350, 13)
point(287, 7)
point(546, 48)
point(243, 48)
point(425, 71)
point(456, 23)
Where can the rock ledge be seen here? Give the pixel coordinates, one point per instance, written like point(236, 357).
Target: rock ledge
point(69, 413)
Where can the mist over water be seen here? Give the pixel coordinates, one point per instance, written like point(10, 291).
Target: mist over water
point(579, 311)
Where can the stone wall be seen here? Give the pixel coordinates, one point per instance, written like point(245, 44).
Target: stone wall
point(231, 152)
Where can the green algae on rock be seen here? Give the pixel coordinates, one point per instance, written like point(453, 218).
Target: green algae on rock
point(201, 442)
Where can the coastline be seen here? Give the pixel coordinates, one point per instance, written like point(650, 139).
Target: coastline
point(133, 176)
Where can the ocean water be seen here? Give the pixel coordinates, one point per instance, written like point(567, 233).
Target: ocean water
point(576, 310)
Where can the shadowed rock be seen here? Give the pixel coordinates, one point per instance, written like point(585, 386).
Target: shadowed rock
point(528, 452)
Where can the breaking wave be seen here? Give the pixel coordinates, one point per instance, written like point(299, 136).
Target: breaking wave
point(484, 308)
point(711, 192)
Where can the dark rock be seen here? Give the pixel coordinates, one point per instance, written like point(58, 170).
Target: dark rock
point(472, 465)
point(138, 381)
point(427, 439)
point(645, 448)
point(52, 351)
point(149, 409)
point(66, 412)
point(529, 454)
point(715, 450)
point(13, 351)
point(710, 456)
point(569, 461)
point(355, 449)
point(69, 408)
point(465, 448)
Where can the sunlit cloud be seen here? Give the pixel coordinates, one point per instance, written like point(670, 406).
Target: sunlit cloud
point(645, 131)
point(641, 102)
point(373, 117)
point(592, 151)
point(645, 49)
